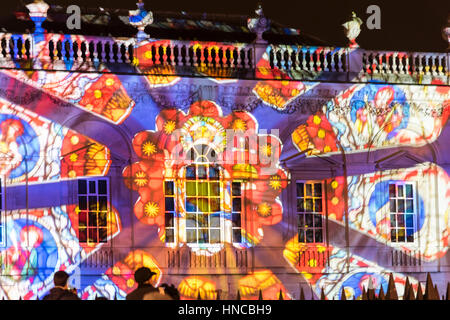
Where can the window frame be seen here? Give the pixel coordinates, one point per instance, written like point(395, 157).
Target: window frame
point(414, 213)
point(323, 213)
point(98, 211)
point(2, 212)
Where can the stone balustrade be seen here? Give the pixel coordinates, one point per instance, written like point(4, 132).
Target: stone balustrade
point(295, 62)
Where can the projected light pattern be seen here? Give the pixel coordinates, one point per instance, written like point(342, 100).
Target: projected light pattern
point(167, 163)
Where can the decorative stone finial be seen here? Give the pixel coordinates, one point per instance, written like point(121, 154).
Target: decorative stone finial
point(140, 18)
point(352, 29)
point(259, 24)
point(38, 14)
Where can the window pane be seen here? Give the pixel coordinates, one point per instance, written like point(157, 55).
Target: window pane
point(318, 236)
point(409, 206)
point(82, 234)
point(201, 174)
point(203, 236)
point(92, 235)
point(102, 203)
point(191, 220)
point(409, 220)
point(82, 219)
point(308, 189)
point(392, 193)
point(410, 238)
point(168, 220)
point(409, 235)
point(401, 205)
point(408, 191)
point(393, 220)
point(301, 236)
point(169, 188)
point(236, 189)
point(191, 204)
point(317, 221)
point(237, 235)
point(191, 188)
point(401, 220)
point(237, 204)
point(102, 235)
point(317, 189)
point(214, 220)
point(215, 204)
point(170, 235)
point(190, 172)
point(92, 203)
point(400, 191)
point(300, 205)
point(401, 235)
point(82, 186)
point(191, 235)
point(169, 204)
point(214, 189)
point(82, 203)
point(202, 220)
point(92, 219)
point(203, 189)
point(300, 187)
point(308, 220)
point(92, 187)
point(203, 205)
point(215, 235)
point(317, 205)
point(301, 220)
point(102, 219)
point(308, 205)
point(393, 235)
point(236, 220)
point(102, 187)
point(214, 173)
point(309, 236)
point(393, 205)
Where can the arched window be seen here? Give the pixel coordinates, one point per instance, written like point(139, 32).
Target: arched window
point(203, 188)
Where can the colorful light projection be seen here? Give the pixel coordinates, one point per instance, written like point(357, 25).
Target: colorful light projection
point(332, 274)
point(205, 125)
point(38, 242)
point(102, 94)
point(376, 116)
point(263, 281)
point(369, 207)
point(118, 280)
point(280, 92)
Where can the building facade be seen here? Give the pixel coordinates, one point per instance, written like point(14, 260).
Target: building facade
point(253, 166)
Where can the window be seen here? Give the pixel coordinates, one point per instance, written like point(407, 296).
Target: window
point(204, 195)
point(402, 212)
point(236, 211)
point(93, 204)
point(169, 197)
point(309, 212)
point(202, 204)
point(2, 232)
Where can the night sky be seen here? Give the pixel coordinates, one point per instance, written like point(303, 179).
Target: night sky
point(405, 25)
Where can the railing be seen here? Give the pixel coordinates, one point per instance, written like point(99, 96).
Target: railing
point(233, 59)
point(379, 62)
point(312, 59)
point(223, 259)
point(15, 47)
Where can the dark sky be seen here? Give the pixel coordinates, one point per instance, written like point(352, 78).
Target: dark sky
point(405, 25)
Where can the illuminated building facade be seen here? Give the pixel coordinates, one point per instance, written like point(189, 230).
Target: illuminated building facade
point(269, 164)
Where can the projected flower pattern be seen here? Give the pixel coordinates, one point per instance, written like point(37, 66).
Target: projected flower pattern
point(56, 152)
